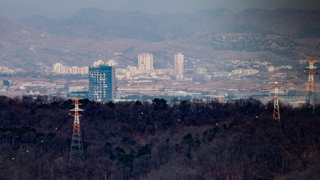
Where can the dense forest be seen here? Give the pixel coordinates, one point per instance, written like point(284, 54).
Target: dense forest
point(178, 140)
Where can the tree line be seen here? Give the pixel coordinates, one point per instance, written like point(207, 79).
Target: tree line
point(158, 140)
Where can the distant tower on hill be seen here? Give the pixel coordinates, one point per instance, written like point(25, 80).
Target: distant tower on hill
point(179, 64)
point(276, 109)
point(76, 150)
point(145, 62)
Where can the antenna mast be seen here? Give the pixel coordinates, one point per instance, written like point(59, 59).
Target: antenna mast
point(76, 150)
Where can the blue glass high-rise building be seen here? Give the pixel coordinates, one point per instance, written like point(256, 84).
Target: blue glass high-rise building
point(102, 85)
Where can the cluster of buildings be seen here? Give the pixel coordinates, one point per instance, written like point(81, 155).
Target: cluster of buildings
point(245, 72)
point(145, 68)
point(5, 70)
point(58, 68)
point(145, 64)
point(102, 76)
point(103, 79)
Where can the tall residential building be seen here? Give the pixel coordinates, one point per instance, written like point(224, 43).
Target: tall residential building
point(179, 63)
point(56, 66)
point(102, 83)
point(62, 70)
point(85, 70)
point(98, 63)
point(74, 70)
point(111, 63)
point(145, 62)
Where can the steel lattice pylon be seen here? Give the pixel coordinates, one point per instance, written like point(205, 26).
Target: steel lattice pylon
point(276, 109)
point(76, 149)
point(310, 86)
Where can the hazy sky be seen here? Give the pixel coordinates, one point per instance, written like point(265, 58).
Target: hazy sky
point(64, 8)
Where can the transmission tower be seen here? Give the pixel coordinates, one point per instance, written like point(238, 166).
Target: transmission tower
point(76, 150)
point(310, 86)
point(276, 110)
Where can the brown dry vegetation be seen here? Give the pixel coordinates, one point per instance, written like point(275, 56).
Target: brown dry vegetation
point(138, 140)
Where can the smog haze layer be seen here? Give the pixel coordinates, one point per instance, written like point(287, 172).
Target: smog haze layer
point(62, 9)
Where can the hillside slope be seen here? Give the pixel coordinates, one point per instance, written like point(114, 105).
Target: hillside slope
point(98, 24)
point(134, 140)
point(254, 34)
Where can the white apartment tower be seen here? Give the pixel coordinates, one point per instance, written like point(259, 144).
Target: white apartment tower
point(56, 66)
point(145, 62)
point(98, 63)
point(178, 63)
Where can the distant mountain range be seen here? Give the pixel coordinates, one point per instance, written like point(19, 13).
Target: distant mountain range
point(98, 24)
point(89, 33)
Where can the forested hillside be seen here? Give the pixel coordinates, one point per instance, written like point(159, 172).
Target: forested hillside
point(159, 140)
